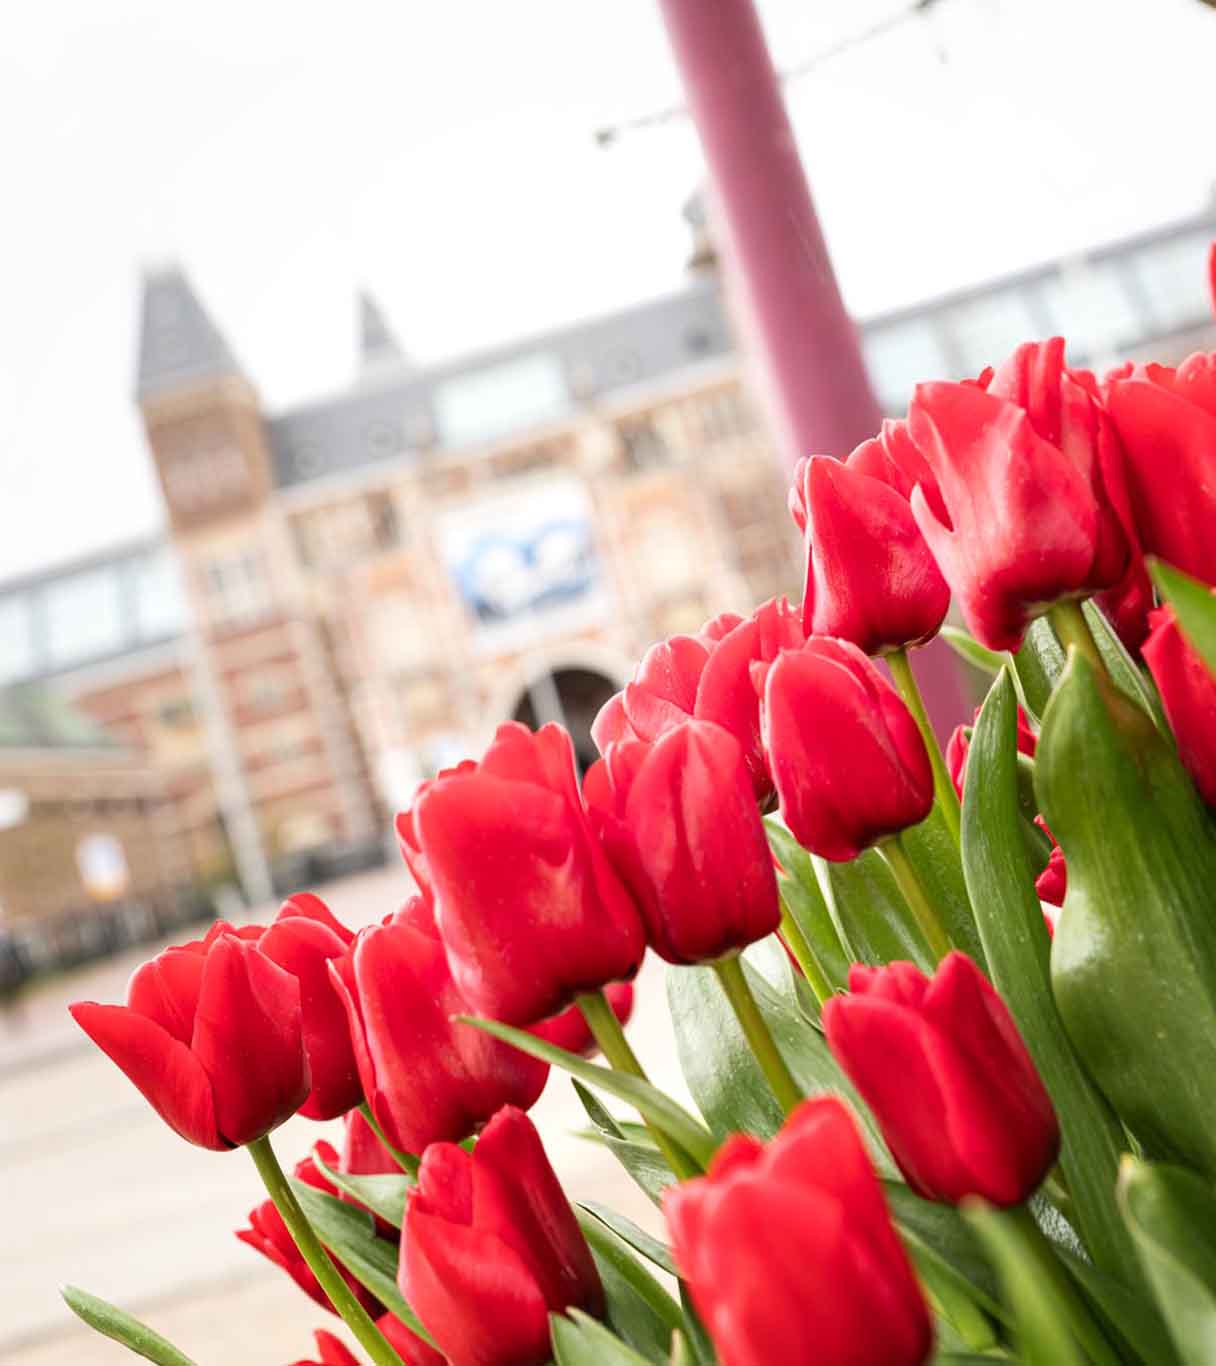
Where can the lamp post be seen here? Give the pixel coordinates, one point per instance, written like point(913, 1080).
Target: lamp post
point(809, 360)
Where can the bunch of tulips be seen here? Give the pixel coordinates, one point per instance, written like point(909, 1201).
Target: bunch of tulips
point(948, 1019)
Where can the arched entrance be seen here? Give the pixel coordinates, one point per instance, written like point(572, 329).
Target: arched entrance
point(571, 696)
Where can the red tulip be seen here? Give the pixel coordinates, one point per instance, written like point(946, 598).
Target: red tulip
point(302, 939)
point(569, 1030)
point(1167, 419)
point(943, 1068)
point(1188, 693)
point(212, 1035)
point(1052, 883)
point(1022, 524)
point(790, 1254)
point(491, 1248)
point(528, 907)
point(959, 745)
point(870, 578)
point(426, 1076)
point(681, 825)
point(407, 1344)
point(407, 833)
point(893, 457)
point(332, 1351)
point(848, 762)
point(705, 677)
point(268, 1234)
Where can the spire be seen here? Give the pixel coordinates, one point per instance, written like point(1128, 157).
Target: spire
point(377, 344)
point(178, 342)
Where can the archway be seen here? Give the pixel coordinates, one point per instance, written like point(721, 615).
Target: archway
point(572, 697)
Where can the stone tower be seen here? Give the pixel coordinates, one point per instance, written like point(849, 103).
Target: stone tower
point(289, 775)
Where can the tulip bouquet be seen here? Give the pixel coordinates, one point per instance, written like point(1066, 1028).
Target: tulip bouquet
point(948, 1019)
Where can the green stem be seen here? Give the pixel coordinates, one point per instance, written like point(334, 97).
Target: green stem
point(914, 894)
point(328, 1276)
point(1059, 1283)
point(756, 1031)
point(1071, 628)
point(804, 955)
point(943, 785)
point(406, 1161)
point(607, 1032)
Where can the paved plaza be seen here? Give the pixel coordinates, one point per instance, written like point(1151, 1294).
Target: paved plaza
point(96, 1191)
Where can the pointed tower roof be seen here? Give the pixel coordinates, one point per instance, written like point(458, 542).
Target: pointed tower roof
point(178, 342)
point(377, 343)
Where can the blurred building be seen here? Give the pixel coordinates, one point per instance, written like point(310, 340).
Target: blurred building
point(352, 592)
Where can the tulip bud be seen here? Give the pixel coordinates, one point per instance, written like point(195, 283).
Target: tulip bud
point(1166, 418)
point(332, 1351)
point(491, 1248)
point(570, 1030)
point(790, 1254)
point(1188, 693)
point(528, 907)
point(706, 677)
point(302, 939)
point(848, 761)
point(1022, 523)
point(269, 1235)
point(212, 1035)
point(681, 826)
point(945, 1072)
point(426, 1076)
point(870, 578)
point(892, 457)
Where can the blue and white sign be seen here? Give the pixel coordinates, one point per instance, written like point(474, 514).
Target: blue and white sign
point(524, 561)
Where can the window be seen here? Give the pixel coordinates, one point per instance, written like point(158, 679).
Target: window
point(84, 616)
point(1173, 274)
point(1090, 306)
point(986, 330)
point(643, 443)
point(237, 589)
point(16, 639)
point(485, 404)
point(177, 713)
point(156, 595)
point(899, 356)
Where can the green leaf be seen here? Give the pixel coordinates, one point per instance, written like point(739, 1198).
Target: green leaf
point(383, 1195)
point(649, 1101)
point(638, 1239)
point(1134, 957)
point(935, 855)
point(801, 894)
point(112, 1322)
point(1038, 664)
point(1123, 669)
point(1000, 879)
point(1172, 1216)
point(350, 1235)
point(698, 1338)
point(681, 1351)
point(1044, 1335)
point(968, 648)
point(639, 1308)
point(722, 1074)
point(1193, 605)
point(640, 1158)
point(581, 1341)
point(869, 911)
point(1133, 1316)
point(942, 1232)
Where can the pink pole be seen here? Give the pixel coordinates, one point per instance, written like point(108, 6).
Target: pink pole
point(809, 356)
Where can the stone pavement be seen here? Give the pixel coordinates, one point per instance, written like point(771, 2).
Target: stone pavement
point(96, 1191)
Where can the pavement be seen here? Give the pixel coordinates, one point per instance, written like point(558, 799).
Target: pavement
point(96, 1191)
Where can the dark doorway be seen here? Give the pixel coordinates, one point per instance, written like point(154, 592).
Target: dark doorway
point(572, 697)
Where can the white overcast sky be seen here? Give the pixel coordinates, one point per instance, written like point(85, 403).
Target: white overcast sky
point(442, 154)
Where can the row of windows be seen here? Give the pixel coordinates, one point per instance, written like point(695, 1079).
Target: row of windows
point(90, 614)
point(1102, 307)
